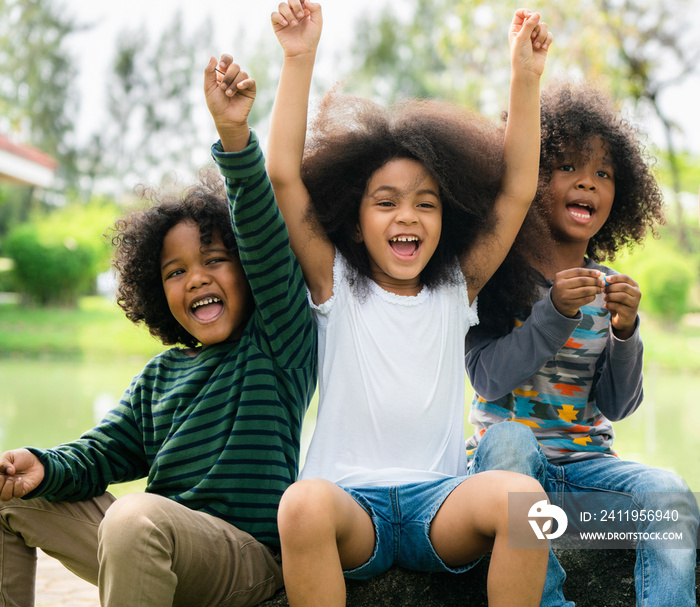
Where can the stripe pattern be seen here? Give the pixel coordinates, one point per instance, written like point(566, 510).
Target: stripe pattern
point(219, 432)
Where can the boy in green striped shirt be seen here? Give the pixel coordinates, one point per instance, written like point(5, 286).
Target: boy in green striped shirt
point(214, 426)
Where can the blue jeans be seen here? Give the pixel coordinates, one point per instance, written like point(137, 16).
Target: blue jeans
point(401, 516)
point(662, 576)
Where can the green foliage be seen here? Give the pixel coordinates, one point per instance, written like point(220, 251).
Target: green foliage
point(57, 257)
point(96, 330)
point(665, 276)
point(48, 270)
point(689, 170)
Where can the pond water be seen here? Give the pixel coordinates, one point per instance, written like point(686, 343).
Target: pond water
point(43, 403)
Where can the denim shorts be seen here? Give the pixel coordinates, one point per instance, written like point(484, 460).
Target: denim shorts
point(401, 517)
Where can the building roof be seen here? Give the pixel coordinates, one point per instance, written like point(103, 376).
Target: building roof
point(25, 165)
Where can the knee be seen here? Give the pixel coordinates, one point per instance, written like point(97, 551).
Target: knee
point(510, 446)
point(132, 517)
point(663, 481)
point(305, 507)
point(506, 482)
point(516, 482)
point(666, 491)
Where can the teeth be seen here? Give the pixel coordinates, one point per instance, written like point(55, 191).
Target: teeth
point(204, 302)
point(404, 239)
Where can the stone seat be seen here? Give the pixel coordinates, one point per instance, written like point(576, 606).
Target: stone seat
point(595, 578)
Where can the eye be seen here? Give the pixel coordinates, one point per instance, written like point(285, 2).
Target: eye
point(427, 205)
point(385, 203)
point(217, 260)
point(173, 274)
point(567, 168)
point(603, 174)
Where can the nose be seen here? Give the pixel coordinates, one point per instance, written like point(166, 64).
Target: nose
point(406, 215)
point(585, 181)
point(198, 277)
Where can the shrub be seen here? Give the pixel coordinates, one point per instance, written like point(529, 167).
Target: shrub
point(666, 278)
point(666, 285)
point(48, 270)
point(57, 258)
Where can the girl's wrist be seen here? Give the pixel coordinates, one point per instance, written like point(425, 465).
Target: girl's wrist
point(304, 58)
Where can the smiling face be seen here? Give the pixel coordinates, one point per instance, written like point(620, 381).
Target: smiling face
point(205, 286)
point(583, 190)
point(400, 224)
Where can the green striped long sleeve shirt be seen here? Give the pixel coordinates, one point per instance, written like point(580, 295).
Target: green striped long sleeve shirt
point(218, 432)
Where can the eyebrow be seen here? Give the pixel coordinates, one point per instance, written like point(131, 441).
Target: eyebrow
point(393, 190)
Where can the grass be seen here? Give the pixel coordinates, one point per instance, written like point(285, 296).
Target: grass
point(96, 330)
point(672, 346)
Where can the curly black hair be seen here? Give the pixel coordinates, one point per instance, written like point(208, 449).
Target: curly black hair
point(571, 117)
point(352, 137)
point(138, 240)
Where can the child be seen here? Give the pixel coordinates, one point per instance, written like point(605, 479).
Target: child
point(215, 426)
point(394, 197)
point(575, 362)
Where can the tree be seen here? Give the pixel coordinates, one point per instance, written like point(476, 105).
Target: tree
point(37, 81)
point(656, 51)
point(457, 50)
point(150, 130)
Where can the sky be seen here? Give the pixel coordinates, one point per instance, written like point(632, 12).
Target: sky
point(95, 47)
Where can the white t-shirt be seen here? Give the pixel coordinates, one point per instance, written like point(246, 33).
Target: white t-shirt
point(391, 384)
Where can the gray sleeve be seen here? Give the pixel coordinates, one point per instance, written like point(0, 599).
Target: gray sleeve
point(498, 366)
point(617, 385)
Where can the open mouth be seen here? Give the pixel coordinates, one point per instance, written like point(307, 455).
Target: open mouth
point(207, 309)
point(580, 211)
point(405, 246)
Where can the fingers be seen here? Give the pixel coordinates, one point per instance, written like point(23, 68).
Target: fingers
point(7, 477)
point(574, 288)
point(231, 78)
point(622, 291)
point(247, 85)
point(290, 13)
point(8, 488)
point(541, 36)
point(529, 24)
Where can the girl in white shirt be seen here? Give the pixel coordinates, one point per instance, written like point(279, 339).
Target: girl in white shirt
point(392, 216)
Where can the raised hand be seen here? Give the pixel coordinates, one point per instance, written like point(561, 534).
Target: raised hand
point(230, 93)
point(20, 472)
point(574, 288)
point(622, 296)
point(297, 25)
point(530, 40)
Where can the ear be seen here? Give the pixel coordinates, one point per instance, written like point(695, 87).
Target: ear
point(357, 236)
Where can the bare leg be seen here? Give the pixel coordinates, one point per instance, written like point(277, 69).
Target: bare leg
point(323, 531)
point(474, 519)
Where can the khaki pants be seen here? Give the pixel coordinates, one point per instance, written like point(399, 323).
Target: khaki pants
point(140, 550)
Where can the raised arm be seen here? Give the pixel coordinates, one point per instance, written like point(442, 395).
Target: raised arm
point(529, 43)
point(297, 26)
point(230, 94)
point(276, 282)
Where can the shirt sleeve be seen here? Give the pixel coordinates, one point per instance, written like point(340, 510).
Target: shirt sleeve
point(618, 383)
point(497, 366)
point(282, 311)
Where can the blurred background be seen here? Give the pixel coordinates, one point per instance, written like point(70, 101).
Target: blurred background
point(96, 98)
